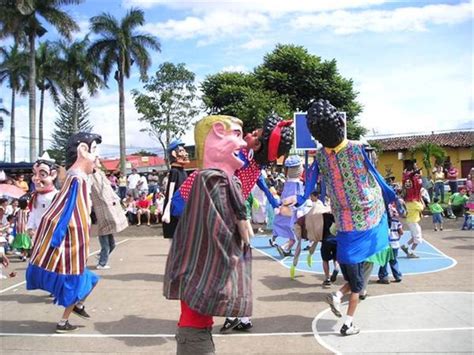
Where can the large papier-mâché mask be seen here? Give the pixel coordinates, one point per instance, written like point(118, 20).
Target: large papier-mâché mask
point(43, 176)
point(222, 145)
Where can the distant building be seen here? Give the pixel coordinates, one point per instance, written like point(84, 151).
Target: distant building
point(143, 164)
point(393, 152)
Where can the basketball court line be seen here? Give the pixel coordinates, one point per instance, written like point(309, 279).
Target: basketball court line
point(428, 330)
point(23, 282)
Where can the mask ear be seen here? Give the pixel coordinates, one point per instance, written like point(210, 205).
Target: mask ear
point(54, 174)
point(219, 129)
point(82, 150)
point(173, 154)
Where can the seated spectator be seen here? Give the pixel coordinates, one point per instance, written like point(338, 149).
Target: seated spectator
point(457, 202)
point(21, 183)
point(159, 202)
point(143, 208)
point(130, 208)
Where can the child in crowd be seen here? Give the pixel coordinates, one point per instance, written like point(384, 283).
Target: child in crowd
point(467, 225)
point(130, 209)
point(329, 250)
point(22, 241)
point(159, 205)
point(396, 232)
point(437, 211)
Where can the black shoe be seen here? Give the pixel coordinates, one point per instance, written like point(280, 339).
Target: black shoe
point(66, 328)
point(327, 283)
point(351, 330)
point(229, 325)
point(271, 242)
point(383, 281)
point(306, 248)
point(334, 275)
point(397, 280)
point(363, 296)
point(81, 312)
point(243, 326)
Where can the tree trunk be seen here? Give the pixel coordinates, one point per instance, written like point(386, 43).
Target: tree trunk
point(40, 123)
point(122, 121)
point(12, 129)
point(32, 97)
point(75, 125)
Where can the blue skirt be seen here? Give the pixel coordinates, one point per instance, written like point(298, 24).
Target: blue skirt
point(67, 289)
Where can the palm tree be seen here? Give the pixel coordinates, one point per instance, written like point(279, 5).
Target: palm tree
point(77, 71)
point(22, 18)
point(121, 46)
point(47, 78)
point(430, 150)
point(14, 70)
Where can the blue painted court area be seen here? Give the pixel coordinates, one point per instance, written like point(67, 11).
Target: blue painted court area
point(431, 259)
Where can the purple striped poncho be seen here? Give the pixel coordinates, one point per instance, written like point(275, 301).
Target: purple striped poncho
point(207, 267)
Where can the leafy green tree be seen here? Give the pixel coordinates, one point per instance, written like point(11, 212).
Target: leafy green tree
point(120, 46)
point(302, 77)
point(169, 104)
point(287, 81)
point(14, 71)
point(241, 95)
point(78, 72)
point(65, 125)
point(23, 19)
point(429, 151)
point(48, 78)
point(145, 153)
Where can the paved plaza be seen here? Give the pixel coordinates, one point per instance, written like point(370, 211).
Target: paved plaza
point(429, 312)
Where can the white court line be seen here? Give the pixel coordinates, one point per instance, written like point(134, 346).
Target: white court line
point(375, 331)
point(23, 282)
point(327, 310)
point(54, 335)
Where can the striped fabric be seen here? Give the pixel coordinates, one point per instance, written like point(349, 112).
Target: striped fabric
point(356, 197)
point(71, 256)
point(21, 221)
point(207, 267)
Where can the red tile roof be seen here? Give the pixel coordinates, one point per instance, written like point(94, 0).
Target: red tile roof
point(137, 161)
point(463, 139)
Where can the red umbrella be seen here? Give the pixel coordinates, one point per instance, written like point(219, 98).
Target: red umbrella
point(7, 190)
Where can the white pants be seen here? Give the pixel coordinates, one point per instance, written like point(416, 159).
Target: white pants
point(415, 231)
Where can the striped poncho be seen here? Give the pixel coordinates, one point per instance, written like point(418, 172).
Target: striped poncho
point(207, 266)
point(59, 257)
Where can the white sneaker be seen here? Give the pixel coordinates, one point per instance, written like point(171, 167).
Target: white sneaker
point(100, 267)
point(349, 330)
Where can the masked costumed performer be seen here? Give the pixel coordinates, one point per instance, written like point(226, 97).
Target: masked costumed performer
point(45, 172)
point(178, 158)
point(209, 264)
point(59, 257)
point(357, 193)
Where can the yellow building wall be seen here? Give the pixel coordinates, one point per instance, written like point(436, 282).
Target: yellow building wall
point(389, 164)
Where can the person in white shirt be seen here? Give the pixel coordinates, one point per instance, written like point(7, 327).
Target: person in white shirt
point(133, 179)
point(142, 185)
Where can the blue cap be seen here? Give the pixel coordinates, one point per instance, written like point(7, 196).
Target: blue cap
point(292, 161)
point(175, 144)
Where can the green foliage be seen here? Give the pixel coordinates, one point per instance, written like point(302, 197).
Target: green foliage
point(429, 151)
point(48, 76)
point(168, 105)
point(287, 81)
point(14, 69)
point(65, 125)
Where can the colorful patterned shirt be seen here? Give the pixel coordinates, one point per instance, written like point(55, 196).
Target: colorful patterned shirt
point(356, 197)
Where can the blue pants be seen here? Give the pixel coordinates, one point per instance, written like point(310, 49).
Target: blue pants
point(467, 222)
point(439, 190)
point(383, 274)
point(107, 244)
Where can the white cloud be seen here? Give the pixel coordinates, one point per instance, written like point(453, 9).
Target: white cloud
point(254, 44)
point(211, 26)
point(273, 7)
point(400, 19)
point(235, 68)
point(399, 101)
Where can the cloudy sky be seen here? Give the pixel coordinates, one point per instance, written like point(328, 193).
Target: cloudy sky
point(411, 61)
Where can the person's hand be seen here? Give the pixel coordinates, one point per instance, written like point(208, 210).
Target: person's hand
point(5, 261)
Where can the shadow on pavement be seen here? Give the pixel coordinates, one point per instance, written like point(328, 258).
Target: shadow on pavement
point(139, 276)
point(27, 298)
point(275, 282)
point(278, 324)
point(31, 326)
point(138, 325)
